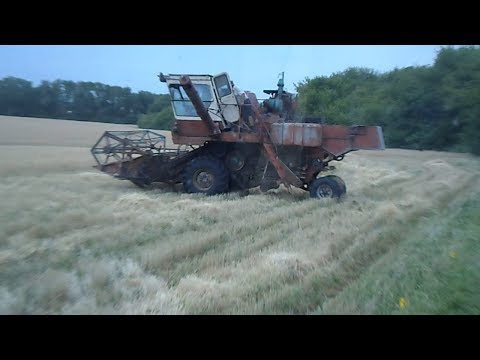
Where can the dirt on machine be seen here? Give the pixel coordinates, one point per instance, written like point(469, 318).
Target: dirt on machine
point(229, 141)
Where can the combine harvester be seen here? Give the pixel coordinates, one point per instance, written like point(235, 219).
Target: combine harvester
point(230, 142)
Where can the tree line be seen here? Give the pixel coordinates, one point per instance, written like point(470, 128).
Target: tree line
point(86, 101)
point(433, 107)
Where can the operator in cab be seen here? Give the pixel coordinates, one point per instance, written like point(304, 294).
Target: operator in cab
point(244, 104)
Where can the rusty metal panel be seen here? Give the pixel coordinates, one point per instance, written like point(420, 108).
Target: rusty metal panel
point(233, 136)
point(312, 135)
point(189, 140)
point(285, 134)
point(340, 139)
point(226, 137)
point(372, 139)
point(299, 134)
point(190, 128)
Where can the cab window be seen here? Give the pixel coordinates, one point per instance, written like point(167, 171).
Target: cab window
point(222, 85)
point(182, 104)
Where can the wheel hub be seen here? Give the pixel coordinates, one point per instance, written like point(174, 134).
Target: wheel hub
point(203, 179)
point(235, 161)
point(324, 191)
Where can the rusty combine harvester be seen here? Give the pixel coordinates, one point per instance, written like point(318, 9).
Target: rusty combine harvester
point(228, 141)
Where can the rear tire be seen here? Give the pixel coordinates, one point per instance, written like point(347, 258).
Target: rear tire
point(205, 174)
point(340, 182)
point(330, 186)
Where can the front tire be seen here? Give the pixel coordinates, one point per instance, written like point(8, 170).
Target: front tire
point(207, 175)
point(330, 186)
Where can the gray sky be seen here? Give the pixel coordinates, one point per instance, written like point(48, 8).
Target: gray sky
point(251, 67)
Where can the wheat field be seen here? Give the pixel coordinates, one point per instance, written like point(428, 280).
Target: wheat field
point(76, 241)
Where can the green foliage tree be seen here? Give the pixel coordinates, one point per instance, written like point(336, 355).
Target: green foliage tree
point(425, 107)
point(159, 116)
point(86, 101)
point(15, 94)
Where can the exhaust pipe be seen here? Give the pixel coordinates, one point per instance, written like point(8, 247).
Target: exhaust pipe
point(192, 93)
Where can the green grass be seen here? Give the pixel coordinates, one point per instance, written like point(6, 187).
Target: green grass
point(436, 270)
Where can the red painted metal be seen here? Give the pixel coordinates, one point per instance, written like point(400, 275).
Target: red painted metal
point(340, 139)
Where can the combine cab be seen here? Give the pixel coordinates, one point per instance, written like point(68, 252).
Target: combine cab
point(228, 141)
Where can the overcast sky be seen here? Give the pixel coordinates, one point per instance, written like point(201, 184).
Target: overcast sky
point(251, 67)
